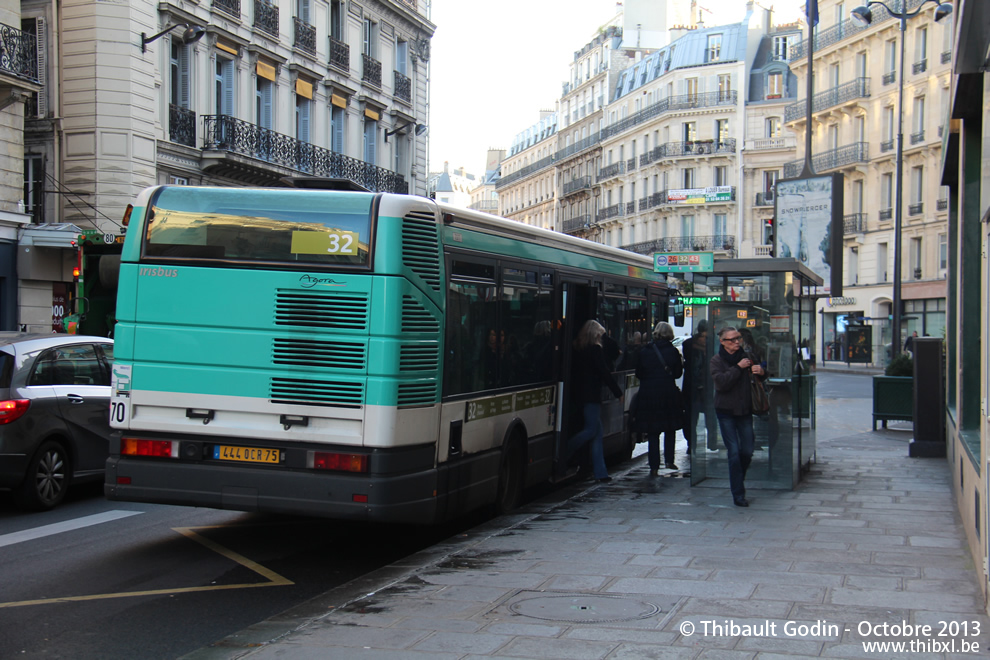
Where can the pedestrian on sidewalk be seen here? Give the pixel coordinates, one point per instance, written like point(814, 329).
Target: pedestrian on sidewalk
point(659, 405)
point(589, 372)
point(732, 371)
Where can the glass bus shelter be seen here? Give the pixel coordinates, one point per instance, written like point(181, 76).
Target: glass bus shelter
point(772, 303)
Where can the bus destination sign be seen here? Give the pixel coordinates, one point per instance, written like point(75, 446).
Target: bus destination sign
point(683, 262)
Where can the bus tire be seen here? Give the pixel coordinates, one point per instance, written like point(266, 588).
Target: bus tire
point(510, 477)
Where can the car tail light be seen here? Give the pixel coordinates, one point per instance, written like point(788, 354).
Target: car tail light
point(159, 448)
point(12, 409)
point(345, 462)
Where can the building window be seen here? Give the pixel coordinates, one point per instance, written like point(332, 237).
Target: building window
point(916, 258)
point(890, 57)
point(882, 262)
point(722, 129)
point(919, 114)
point(721, 228)
point(223, 80)
point(370, 140)
point(886, 192)
point(773, 127)
point(688, 177)
point(687, 226)
point(775, 85)
point(336, 20)
point(177, 180)
point(34, 187)
point(303, 107)
point(179, 74)
point(943, 251)
point(337, 118)
point(402, 57)
point(720, 175)
point(781, 46)
point(369, 45)
point(917, 184)
point(714, 47)
point(691, 89)
point(690, 131)
point(263, 99)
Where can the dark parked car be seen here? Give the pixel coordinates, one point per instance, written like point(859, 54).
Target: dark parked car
point(54, 414)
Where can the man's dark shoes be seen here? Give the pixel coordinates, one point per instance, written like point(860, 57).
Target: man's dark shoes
point(741, 501)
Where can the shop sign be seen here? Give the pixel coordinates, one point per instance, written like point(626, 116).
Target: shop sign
point(835, 302)
point(700, 195)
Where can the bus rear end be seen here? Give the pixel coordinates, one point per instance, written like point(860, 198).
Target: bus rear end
point(278, 350)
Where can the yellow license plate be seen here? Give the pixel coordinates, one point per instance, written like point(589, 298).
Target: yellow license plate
point(246, 454)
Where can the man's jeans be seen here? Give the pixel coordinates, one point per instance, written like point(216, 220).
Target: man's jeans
point(737, 434)
point(594, 431)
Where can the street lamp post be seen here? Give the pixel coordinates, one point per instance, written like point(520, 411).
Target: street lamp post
point(864, 16)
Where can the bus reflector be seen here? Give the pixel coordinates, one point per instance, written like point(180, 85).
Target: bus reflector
point(159, 448)
point(124, 481)
point(361, 499)
point(346, 462)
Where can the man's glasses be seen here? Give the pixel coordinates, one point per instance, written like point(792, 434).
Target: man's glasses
point(733, 339)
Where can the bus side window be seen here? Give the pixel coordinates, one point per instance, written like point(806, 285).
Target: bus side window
point(470, 323)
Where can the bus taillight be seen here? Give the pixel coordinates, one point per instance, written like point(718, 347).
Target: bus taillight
point(158, 448)
point(344, 462)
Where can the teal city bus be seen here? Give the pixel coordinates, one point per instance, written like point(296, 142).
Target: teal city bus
point(354, 355)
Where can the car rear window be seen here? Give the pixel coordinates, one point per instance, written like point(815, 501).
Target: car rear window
point(6, 369)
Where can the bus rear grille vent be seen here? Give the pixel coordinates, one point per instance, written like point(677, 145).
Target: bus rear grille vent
point(327, 354)
point(421, 247)
point(321, 309)
point(417, 394)
point(419, 358)
point(415, 318)
point(317, 392)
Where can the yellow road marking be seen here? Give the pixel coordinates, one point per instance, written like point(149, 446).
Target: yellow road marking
point(274, 579)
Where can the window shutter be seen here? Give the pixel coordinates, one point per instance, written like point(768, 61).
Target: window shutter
point(338, 130)
point(41, 108)
point(227, 77)
point(184, 100)
point(302, 108)
point(267, 91)
point(304, 11)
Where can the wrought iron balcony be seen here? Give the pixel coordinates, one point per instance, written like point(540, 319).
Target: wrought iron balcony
point(849, 27)
point(225, 133)
point(920, 67)
point(630, 208)
point(181, 125)
point(610, 171)
point(886, 145)
point(577, 185)
point(698, 148)
point(631, 164)
point(305, 36)
point(654, 200)
point(232, 7)
point(372, 70)
point(886, 214)
point(713, 243)
point(524, 172)
point(266, 17)
point(857, 89)
point(916, 209)
point(853, 223)
point(764, 198)
point(340, 55)
point(946, 57)
point(917, 137)
point(613, 211)
point(579, 146)
point(857, 152)
point(403, 87)
point(941, 204)
point(576, 224)
point(888, 78)
point(651, 156)
point(670, 104)
point(18, 53)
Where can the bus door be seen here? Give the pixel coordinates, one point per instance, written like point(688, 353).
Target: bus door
point(577, 301)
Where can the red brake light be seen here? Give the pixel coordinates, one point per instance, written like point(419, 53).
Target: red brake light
point(345, 462)
point(12, 409)
point(137, 447)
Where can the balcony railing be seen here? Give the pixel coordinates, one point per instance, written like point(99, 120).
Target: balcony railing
point(847, 28)
point(764, 144)
point(630, 208)
point(340, 55)
point(651, 156)
point(916, 209)
point(941, 204)
point(917, 137)
point(631, 164)
point(857, 89)
point(232, 7)
point(579, 223)
point(714, 243)
point(305, 36)
point(266, 17)
point(403, 87)
point(610, 171)
point(651, 201)
point(888, 78)
point(886, 145)
point(920, 67)
point(524, 172)
point(18, 53)
point(854, 223)
point(946, 57)
point(225, 133)
point(613, 211)
point(577, 185)
point(857, 152)
point(486, 205)
point(764, 198)
point(886, 214)
point(670, 104)
point(181, 125)
point(372, 70)
point(577, 147)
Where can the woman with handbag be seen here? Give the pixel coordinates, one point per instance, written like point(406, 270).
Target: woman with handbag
point(659, 406)
point(733, 374)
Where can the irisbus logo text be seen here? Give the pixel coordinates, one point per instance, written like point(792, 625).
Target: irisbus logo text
point(159, 272)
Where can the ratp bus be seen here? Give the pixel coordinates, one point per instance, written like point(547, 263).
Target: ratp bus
point(354, 355)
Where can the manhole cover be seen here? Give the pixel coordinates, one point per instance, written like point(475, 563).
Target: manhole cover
point(583, 608)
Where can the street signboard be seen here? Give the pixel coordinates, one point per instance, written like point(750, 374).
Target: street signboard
point(683, 262)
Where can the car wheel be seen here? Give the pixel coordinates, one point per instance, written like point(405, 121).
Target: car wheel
point(46, 479)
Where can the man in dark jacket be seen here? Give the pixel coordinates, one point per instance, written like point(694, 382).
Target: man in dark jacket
point(732, 372)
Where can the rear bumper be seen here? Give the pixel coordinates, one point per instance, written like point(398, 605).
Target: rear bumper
point(406, 498)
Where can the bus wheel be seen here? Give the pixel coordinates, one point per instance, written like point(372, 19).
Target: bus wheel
point(510, 477)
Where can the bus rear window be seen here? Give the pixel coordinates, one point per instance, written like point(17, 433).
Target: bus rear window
point(260, 225)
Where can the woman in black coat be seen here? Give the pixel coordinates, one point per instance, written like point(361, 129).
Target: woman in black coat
point(659, 407)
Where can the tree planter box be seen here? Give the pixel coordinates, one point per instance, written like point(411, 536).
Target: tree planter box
point(893, 399)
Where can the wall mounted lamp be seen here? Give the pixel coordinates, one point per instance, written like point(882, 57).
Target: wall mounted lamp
point(191, 34)
point(420, 129)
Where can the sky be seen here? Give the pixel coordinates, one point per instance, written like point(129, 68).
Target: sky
point(495, 65)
